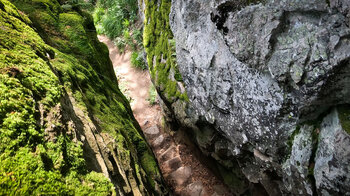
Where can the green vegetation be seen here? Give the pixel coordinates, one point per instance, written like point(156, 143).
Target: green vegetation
point(119, 21)
point(160, 47)
point(137, 60)
point(29, 164)
point(152, 95)
point(38, 71)
point(114, 16)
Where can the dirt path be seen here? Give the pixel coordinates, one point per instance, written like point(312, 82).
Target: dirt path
point(182, 170)
point(135, 83)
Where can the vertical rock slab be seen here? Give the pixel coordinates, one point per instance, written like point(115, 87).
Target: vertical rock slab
point(65, 127)
point(254, 72)
point(332, 168)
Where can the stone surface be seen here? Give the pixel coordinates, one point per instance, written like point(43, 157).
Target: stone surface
point(151, 132)
point(172, 164)
point(332, 167)
point(298, 163)
point(254, 74)
point(158, 142)
point(82, 141)
point(167, 154)
point(195, 189)
point(181, 175)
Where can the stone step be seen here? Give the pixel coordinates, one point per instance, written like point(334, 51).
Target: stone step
point(168, 153)
point(158, 142)
point(181, 176)
point(152, 132)
point(161, 143)
point(195, 189)
point(172, 164)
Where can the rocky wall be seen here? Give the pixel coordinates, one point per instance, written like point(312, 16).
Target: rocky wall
point(268, 86)
point(65, 127)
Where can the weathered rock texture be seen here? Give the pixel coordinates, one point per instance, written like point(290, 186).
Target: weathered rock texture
point(161, 59)
point(65, 127)
point(263, 83)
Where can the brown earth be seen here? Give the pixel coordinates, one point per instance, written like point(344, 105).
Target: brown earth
point(183, 170)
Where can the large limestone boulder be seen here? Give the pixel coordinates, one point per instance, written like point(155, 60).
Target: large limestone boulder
point(260, 78)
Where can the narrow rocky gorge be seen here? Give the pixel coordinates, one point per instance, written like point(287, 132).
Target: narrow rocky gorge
point(65, 127)
point(266, 84)
point(181, 167)
point(252, 97)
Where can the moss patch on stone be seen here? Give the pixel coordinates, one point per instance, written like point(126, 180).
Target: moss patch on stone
point(160, 48)
point(37, 67)
point(29, 164)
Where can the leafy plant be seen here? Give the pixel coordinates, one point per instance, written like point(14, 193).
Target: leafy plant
point(137, 60)
point(119, 14)
point(116, 19)
point(137, 36)
point(120, 43)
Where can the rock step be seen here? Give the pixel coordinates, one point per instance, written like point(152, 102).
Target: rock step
point(180, 176)
point(168, 153)
point(195, 189)
point(161, 143)
point(152, 132)
point(172, 164)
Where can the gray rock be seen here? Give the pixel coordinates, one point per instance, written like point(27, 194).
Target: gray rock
point(181, 175)
point(159, 141)
point(152, 132)
point(297, 166)
point(332, 168)
point(254, 73)
point(195, 189)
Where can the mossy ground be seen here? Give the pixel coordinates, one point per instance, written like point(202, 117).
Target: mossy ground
point(160, 48)
point(37, 66)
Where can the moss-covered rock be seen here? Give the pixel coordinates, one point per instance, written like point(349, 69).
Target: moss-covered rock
point(65, 128)
point(160, 47)
point(161, 58)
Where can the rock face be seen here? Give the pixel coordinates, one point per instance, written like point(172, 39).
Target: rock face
point(161, 59)
point(65, 127)
point(333, 157)
point(260, 80)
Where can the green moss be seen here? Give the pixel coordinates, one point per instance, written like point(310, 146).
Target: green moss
point(137, 60)
point(36, 67)
point(344, 116)
point(150, 166)
point(160, 46)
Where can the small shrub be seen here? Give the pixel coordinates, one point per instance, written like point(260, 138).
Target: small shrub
point(98, 14)
point(137, 60)
point(137, 36)
point(152, 95)
point(126, 23)
point(120, 43)
point(116, 19)
point(127, 37)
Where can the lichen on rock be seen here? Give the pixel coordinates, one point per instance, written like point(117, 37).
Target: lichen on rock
point(253, 74)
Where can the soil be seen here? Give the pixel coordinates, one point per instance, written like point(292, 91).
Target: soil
point(184, 171)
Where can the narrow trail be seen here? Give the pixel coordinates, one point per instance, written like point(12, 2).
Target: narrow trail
point(181, 168)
